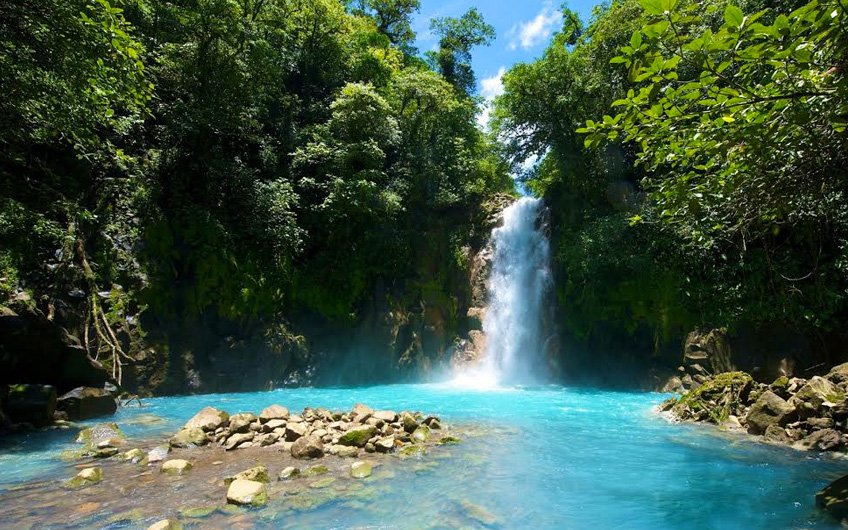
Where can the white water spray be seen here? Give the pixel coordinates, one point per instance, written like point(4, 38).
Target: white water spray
point(518, 287)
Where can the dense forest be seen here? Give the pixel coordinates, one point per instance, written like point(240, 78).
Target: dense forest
point(693, 155)
point(194, 185)
point(199, 194)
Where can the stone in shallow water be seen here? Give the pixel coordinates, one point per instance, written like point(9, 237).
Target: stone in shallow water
point(315, 471)
point(158, 454)
point(360, 469)
point(166, 524)
point(136, 456)
point(834, 498)
point(448, 440)
point(176, 466)
point(86, 402)
point(289, 473)
point(409, 422)
point(421, 434)
point(198, 512)
point(191, 437)
point(323, 483)
point(86, 477)
point(247, 492)
point(208, 419)
point(770, 409)
point(345, 451)
point(256, 474)
point(385, 445)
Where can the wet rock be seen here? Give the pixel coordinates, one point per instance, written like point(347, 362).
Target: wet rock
point(370, 448)
point(240, 423)
point(166, 524)
point(236, 440)
point(409, 422)
point(256, 474)
point(274, 412)
point(208, 419)
point(289, 473)
point(453, 440)
point(32, 404)
point(136, 456)
point(385, 445)
point(358, 436)
point(823, 440)
point(247, 493)
point(770, 409)
point(776, 434)
point(314, 471)
point(158, 454)
point(193, 437)
point(86, 402)
point(834, 498)
point(421, 434)
point(307, 447)
point(345, 451)
point(176, 466)
point(105, 452)
point(85, 478)
point(360, 469)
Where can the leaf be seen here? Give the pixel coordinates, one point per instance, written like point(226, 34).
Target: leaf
point(734, 16)
point(652, 7)
point(636, 40)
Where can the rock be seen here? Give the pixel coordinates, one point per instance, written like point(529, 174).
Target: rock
point(345, 451)
point(289, 473)
point(834, 498)
point(362, 410)
point(307, 447)
point(256, 474)
point(672, 385)
point(409, 422)
point(238, 439)
point(453, 440)
point(710, 349)
point(176, 466)
point(86, 402)
point(838, 374)
point(770, 409)
point(370, 448)
point(823, 440)
point(776, 434)
point(421, 434)
point(314, 471)
point(136, 456)
point(105, 452)
point(385, 415)
point(208, 419)
point(241, 422)
point(247, 492)
point(360, 469)
point(194, 437)
point(385, 445)
point(819, 423)
point(86, 477)
point(272, 425)
point(166, 524)
point(295, 430)
point(818, 392)
point(158, 454)
point(32, 404)
point(274, 412)
point(433, 423)
point(358, 436)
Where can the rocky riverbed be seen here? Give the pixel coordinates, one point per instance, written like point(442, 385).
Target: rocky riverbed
point(219, 465)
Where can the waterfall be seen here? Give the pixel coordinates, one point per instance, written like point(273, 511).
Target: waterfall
point(518, 287)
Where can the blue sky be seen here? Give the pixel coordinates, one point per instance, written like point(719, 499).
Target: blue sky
point(523, 28)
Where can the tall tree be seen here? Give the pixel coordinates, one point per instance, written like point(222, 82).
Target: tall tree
point(457, 37)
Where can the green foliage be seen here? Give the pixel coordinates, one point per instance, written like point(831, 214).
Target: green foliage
point(457, 36)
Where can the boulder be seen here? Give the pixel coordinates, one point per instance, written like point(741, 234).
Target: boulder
point(358, 436)
point(360, 469)
point(86, 477)
point(136, 456)
point(208, 419)
point(295, 430)
point(385, 415)
point(289, 473)
point(834, 498)
point(823, 440)
point(158, 454)
point(241, 422)
point(385, 445)
point(362, 410)
point(193, 437)
point(818, 392)
point(33, 404)
point(238, 439)
point(176, 466)
point(838, 374)
point(86, 402)
point(769, 409)
point(247, 493)
point(256, 474)
point(421, 434)
point(307, 447)
point(345, 451)
point(409, 422)
point(274, 412)
point(166, 524)
point(270, 425)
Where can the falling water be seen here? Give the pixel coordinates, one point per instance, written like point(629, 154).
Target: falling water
point(518, 287)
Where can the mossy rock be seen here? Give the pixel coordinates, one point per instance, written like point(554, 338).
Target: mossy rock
point(314, 471)
point(198, 512)
point(358, 436)
point(412, 450)
point(448, 440)
point(323, 483)
point(716, 399)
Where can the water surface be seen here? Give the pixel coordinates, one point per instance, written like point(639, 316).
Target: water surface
point(544, 457)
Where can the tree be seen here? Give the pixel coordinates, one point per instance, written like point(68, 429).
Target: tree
point(457, 37)
point(393, 19)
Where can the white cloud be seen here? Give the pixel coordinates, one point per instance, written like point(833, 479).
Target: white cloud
point(534, 32)
point(490, 88)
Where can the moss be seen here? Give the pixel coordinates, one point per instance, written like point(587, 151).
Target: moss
point(358, 437)
point(715, 400)
point(198, 512)
point(448, 440)
point(314, 471)
point(781, 382)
